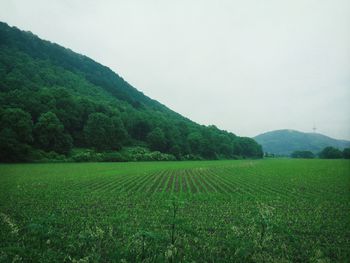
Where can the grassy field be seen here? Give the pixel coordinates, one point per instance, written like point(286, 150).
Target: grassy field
point(277, 210)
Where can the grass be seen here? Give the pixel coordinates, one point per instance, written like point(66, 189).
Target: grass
point(277, 210)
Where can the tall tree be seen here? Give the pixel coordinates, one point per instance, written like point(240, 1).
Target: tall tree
point(50, 135)
point(15, 134)
point(156, 140)
point(103, 132)
point(331, 153)
point(346, 153)
point(19, 121)
point(140, 127)
point(195, 142)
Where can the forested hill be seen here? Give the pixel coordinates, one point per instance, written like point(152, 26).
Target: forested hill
point(284, 142)
point(56, 104)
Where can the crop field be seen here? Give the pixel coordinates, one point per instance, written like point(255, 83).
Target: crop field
point(274, 210)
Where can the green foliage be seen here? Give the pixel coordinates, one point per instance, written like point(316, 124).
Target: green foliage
point(248, 148)
point(94, 108)
point(331, 153)
point(113, 157)
point(139, 127)
point(143, 154)
point(346, 153)
point(86, 156)
point(11, 150)
point(156, 140)
point(37, 155)
point(303, 154)
point(18, 121)
point(275, 210)
point(175, 150)
point(103, 132)
point(50, 135)
point(15, 135)
point(194, 141)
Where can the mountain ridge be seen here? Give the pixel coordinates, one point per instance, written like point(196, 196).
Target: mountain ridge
point(285, 141)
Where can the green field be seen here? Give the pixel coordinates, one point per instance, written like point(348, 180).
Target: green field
point(277, 210)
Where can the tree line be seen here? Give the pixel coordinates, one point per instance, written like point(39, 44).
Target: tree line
point(328, 152)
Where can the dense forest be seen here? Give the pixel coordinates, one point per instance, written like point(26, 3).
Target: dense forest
point(59, 105)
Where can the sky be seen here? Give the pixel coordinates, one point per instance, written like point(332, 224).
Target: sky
point(246, 66)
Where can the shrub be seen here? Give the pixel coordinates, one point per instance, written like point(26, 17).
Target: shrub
point(346, 153)
point(113, 157)
point(303, 154)
point(331, 153)
point(87, 156)
point(36, 155)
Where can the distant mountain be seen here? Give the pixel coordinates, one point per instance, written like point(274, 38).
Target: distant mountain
point(55, 101)
point(284, 142)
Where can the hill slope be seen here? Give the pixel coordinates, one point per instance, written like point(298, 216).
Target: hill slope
point(284, 142)
point(53, 100)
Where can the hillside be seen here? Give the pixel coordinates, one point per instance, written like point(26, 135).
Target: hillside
point(54, 101)
point(284, 142)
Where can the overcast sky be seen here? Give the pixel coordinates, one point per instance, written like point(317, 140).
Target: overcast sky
point(245, 66)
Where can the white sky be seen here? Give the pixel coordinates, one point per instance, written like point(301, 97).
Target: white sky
point(246, 66)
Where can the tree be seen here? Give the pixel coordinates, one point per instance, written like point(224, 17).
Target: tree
point(119, 133)
point(195, 141)
point(20, 122)
point(103, 132)
point(15, 135)
point(50, 135)
point(140, 127)
point(303, 154)
point(176, 151)
point(156, 140)
point(248, 148)
point(66, 109)
point(330, 153)
point(11, 150)
point(346, 153)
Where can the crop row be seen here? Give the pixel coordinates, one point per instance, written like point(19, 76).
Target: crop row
point(199, 180)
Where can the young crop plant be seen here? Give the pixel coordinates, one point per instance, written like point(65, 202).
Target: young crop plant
point(274, 210)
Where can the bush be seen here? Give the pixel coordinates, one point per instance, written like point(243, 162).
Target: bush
point(37, 155)
point(346, 153)
point(113, 157)
point(331, 153)
point(303, 154)
point(143, 154)
point(87, 156)
point(192, 157)
point(158, 156)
